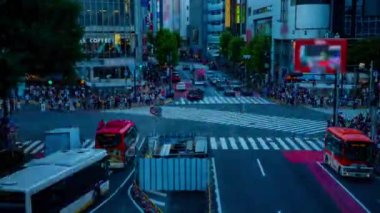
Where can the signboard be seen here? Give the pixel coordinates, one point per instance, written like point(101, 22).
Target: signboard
point(320, 56)
point(227, 20)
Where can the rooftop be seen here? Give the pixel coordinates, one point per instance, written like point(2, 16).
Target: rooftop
point(349, 134)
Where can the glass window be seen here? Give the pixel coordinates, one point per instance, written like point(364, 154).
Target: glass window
point(108, 140)
point(358, 151)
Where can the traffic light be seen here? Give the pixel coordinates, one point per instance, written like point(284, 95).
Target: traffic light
point(50, 82)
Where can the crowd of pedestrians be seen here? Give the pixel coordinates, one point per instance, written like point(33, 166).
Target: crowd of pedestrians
point(293, 95)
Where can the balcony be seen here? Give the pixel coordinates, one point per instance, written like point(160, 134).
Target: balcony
point(218, 17)
point(215, 28)
point(215, 7)
point(213, 39)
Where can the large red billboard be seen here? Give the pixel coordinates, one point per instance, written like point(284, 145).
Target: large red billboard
point(320, 56)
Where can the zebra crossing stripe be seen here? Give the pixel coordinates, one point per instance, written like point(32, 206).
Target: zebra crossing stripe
point(182, 101)
point(233, 143)
point(320, 142)
point(38, 149)
point(282, 143)
point(273, 144)
point(86, 143)
point(263, 144)
point(32, 146)
point(313, 145)
point(304, 146)
point(213, 143)
point(253, 144)
point(219, 101)
point(243, 143)
point(292, 144)
point(223, 143)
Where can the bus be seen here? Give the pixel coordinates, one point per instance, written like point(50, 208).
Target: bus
point(200, 77)
point(349, 152)
point(66, 181)
point(119, 138)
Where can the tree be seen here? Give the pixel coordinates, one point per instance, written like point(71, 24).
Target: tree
point(260, 49)
point(235, 47)
point(39, 37)
point(178, 38)
point(166, 46)
point(225, 39)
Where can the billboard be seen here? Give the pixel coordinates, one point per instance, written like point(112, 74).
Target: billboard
point(227, 19)
point(320, 56)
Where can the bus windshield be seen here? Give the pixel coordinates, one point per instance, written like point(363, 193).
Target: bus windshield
point(359, 151)
point(12, 202)
point(108, 140)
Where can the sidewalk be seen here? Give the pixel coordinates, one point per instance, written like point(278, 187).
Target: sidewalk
point(347, 113)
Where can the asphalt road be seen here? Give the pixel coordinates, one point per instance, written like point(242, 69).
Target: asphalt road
point(248, 180)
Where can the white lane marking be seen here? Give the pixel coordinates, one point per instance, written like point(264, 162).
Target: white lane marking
point(141, 143)
point(38, 149)
point(223, 143)
point(133, 200)
point(217, 193)
point(32, 146)
point(157, 202)
point(263, 144)
point(304, 146)
point(233, 143)
point(261, 167)
point(158, 193)
point(213, 143)
point(313, 145)
point(282, 143)
point(274, 145)
point(344, 188)
point(115, 192)
point(243, 143)
point(253, 143)
point(292, 144)
point(320, 142)
point(182, 101)
point(86, 143)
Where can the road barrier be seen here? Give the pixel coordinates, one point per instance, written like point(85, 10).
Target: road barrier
point(173, 174)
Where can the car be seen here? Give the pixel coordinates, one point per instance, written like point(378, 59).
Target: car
point(195, 94)
point(221, 86)
point(180, 86)
point(186, 67)
point(246, 91)
point(229, 92)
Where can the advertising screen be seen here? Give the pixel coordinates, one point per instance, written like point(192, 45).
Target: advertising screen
point(320, 56)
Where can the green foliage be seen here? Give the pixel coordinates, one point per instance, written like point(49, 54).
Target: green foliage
point(225, 39)
point(257, 48)
point(166, 45)
point(39, 37)
point(177, 37)
point(235, 47)
point(364, 51)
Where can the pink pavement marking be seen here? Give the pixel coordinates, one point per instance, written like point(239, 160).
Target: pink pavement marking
point(344, 201)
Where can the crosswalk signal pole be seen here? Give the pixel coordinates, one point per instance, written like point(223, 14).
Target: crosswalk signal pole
point(336, 98)
point(373, 103)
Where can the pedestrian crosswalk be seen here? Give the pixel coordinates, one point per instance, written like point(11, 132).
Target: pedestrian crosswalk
point(248, 120)
point(36, 147)
point(224, 100)
point(265, 143)
point(215, 143)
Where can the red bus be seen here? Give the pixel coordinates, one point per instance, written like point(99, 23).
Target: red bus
point(119, 138)
point(349, 152)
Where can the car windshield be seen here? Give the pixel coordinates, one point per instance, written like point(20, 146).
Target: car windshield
point(357, 151)
point(108, 140)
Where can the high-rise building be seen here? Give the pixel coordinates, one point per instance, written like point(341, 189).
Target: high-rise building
point(286, 21)
point(197, 29)
point(109, 28)
point(215, 26)
point(361, 18)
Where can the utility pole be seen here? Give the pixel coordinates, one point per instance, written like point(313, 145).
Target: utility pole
point(373, 104)
point(336, 97)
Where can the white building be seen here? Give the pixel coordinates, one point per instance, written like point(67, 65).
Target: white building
point(184, 17)
point(285, 21)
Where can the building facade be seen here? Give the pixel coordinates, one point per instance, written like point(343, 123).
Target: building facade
point(197, 28)
point(215, 26)
point(286, 21)
point(109, 28)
